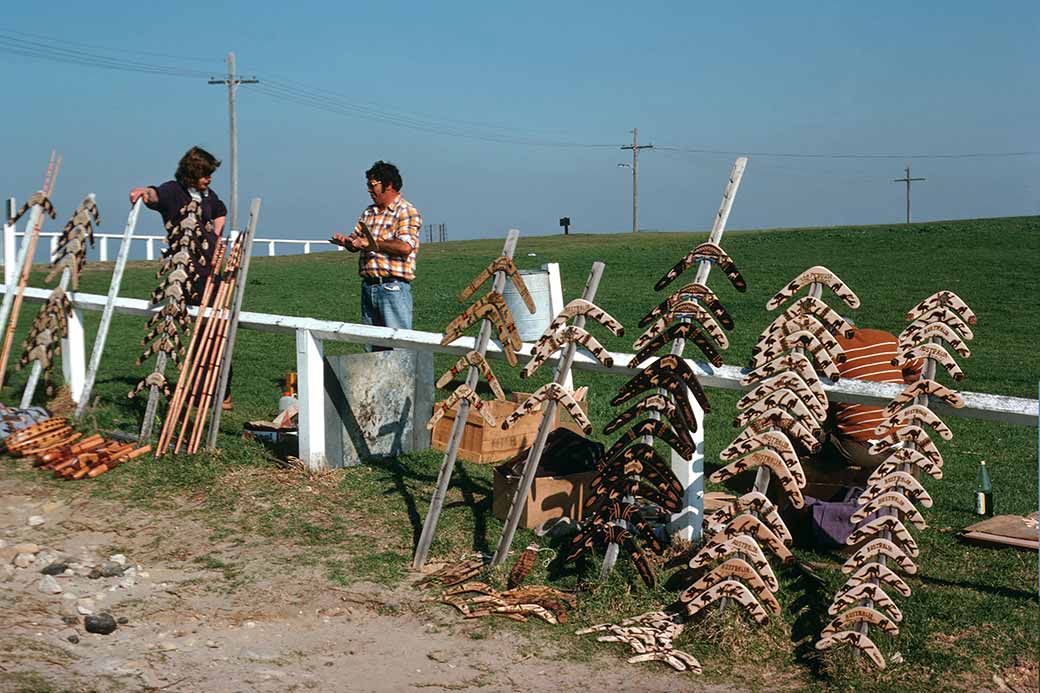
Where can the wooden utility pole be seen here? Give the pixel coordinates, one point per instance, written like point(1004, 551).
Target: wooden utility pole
point(635, 147)
point(231, 83)
point(907, 179)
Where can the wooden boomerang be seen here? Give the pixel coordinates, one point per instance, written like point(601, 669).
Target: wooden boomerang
point(742, 544)
point(766, 457)
point(917, 415)
point(658, 403)
point(580, 306)
point(557, 393)
point(462, 392)
point(677, 439)
point(779, 419)
point(924, 387)
point(687, 310)
point(945, 316)
point(861, 614)
point(887, 523)
point(905, 457)
point(732, 568)
point(501, 315)
point(789, 381)
point(709, 252)
point(936, 352)
point(908, 434)
point(869, 552)
point(936, 330)
point(794, 362)
point(815, 275)
point(876, 573)
point(729, 589)
point(785, 400)
point(799, 340)
point(856, 639)
point(476, 360)
point(804, 323)
point(499, 264)
point(758, 530)
point(669, 367)
point(866, 591)
point(701, 294)
point(946, 299)
point(892, 498)
point(905, 484)
point(548, 344)
point(682, 330)
point(810, 305)
point(752, 501)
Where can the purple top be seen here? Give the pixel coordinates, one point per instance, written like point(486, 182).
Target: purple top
point(172, 199)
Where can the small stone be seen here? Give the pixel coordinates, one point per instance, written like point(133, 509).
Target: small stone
point(24, 560)
point(46, 557)
point(118, 558)
point(210, 643)
point(6, 572)
point(896, 658)
point(168, 647)
point(48, 585)
point(36, 520)
point(70, 620)
point(102, 623)
point(69, 610)
point(3, 543)
point(56, 568)
point(27, 547)
point(127, 583)
point(250, 624)
point(73, 638)
point(85, 606)
point(111, 569)
point(122, 620)
point(142, 575)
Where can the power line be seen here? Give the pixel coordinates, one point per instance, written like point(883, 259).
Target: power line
point(798, 155)
point(57, 53)
point(129, 51)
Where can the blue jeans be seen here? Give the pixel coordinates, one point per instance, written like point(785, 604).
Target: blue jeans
point(386, 305)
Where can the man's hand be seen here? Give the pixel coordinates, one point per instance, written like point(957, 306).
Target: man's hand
point(149, 195)
point(351, 243)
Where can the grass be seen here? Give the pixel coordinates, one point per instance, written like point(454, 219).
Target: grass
point(973, 612)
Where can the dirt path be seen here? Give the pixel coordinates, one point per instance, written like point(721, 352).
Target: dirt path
point(244, 615)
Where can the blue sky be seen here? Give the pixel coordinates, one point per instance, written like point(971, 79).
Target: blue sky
point(513, 117)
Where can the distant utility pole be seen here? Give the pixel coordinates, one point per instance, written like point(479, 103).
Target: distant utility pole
point(635, 147)
point(907, 179)
point(231, 83)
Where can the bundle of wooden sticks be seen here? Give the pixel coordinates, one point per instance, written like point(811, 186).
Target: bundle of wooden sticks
point(54, 446)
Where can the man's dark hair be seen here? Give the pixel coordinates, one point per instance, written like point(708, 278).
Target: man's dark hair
point(196, 163)
point(386, 173)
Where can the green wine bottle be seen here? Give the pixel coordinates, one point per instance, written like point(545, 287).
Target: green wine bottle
point(983, 493)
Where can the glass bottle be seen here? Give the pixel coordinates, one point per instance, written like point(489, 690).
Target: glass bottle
point(983, 492)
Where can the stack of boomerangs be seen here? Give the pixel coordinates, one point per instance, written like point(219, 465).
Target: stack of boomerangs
point(547, 603)
point(492, 307)
point(54, 446)
point(651, 636)
point(888, 502)
point(167, 327)
point(51, 323)
point(782, 414)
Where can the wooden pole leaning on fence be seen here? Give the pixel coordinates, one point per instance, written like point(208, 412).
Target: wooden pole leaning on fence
point(422, 549)
point(32, 235)
point(523, 488)
point(106, 316)
point(177, 400)
point(240, 290)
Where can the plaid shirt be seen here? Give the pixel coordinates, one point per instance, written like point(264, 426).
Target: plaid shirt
point(399, 221)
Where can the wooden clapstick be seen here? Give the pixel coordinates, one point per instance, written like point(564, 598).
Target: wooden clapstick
point(943, 299)
point(856, 639)
point(125, 457)
point(741, 544)
point(914, 414)
point(815, 275)
point(709, 252)
point(733, 568)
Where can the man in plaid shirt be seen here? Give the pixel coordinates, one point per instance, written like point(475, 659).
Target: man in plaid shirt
point(387, 269)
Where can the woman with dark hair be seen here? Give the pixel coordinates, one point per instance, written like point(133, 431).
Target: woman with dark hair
point(191, 182)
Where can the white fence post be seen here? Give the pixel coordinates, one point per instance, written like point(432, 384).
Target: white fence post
point(150, 248)
point(556, 304)
point(689, 524)
point(103, 249)
point(73, 355)
point(310, 373)
point(10, 243)
point(54, 249)
point(307, 248)
point(270, 249)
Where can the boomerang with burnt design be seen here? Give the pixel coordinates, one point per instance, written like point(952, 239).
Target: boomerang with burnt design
point(777, 419)
point(733, 568)
point(557, 393)
point(682, 330)
point(615, 487)
point(37, 198)
point(925, 387)
point(693, 291)
point(783, 399)
point(901, 482)
point(902, 457)
point(800, 340)
point(908, 339)
point(886, 524)
point(810, 305)
point(943, 316)
point(916, 414)
point(894, 499)
point(870, 551)
point(866, 591)
point(935, 352)
point(683, 311)
point(491, 305)
point(756, 529)
point(815, 275)
point(622, 512)
point(477, 360)
point(671, 373)
point(908, 434)
point(793, 362)
point(856, 639)
point(765, 457)
point(499, 264)
point(642, 459)
point(860, 614)
point(580, 306)
point(664, 406)
point(943, 299)
point(752, 501)
point(677, 439)
point(875, 573)
point(742, 545)
point(549, 343)
point(612, 534)
point(788, 381)
point(711, 253)
point(729, 589)
point(804, 323)
point(462, 392)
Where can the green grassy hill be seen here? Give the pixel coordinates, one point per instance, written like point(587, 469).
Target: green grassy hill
point(973, 611)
